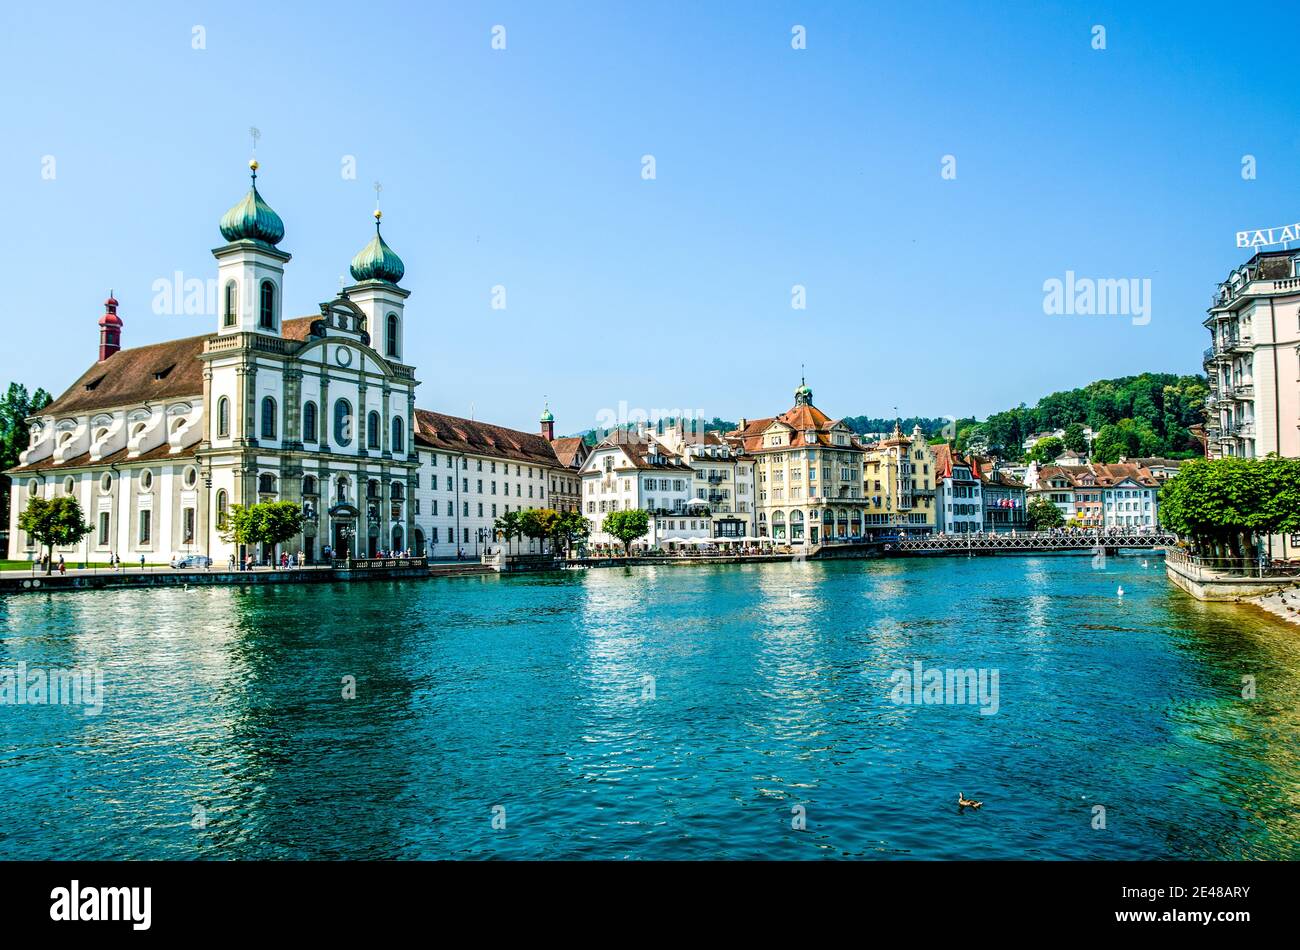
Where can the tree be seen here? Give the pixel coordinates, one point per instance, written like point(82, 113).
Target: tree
point(507, 526)
point(627, 526)
point(1224, 506)
point(1047, 450)
point(570, 528)
point(268, 522)
point(538, 524)
point(53, 521)
point(15, 408)
point(1043, 515)
point(1074, 438)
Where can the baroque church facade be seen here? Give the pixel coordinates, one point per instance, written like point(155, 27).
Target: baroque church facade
point(157, 442)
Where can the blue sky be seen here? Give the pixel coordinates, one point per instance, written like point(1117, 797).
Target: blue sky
point(775, 167)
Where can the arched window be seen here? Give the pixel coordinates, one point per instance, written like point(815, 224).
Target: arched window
point(223, 417)
point(266, 483)
point(342, 422)
point(309, 485)
point(396, 490)
point(232, 304)
point(399, 435)
point(309, 422)
point(222, 503)
point(391, 343)
point(268, 417)
point(372, 430)
point(343, 486)
point(267, 318)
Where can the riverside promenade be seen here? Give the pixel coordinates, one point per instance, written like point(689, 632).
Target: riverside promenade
point(102, 578)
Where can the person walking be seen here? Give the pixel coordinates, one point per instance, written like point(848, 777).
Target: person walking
point(63, 568)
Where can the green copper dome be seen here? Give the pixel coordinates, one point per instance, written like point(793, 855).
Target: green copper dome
point(252, 218)
point(546, 415)
point(803, 394)
point(377, 261)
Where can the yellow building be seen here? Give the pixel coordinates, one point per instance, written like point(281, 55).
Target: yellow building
point(899, 485)
point(807, 472)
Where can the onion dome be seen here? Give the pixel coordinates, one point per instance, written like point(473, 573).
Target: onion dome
point(110, 317)
point(377, 261)
point(546, 415)
point(252, 219)
point(803, 395)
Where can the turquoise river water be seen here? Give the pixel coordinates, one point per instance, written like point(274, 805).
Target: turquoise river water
point(735, 711)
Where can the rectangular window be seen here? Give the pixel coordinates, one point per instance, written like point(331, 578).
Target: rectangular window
point(187, 521)
point(145, 525)
point(103, 528)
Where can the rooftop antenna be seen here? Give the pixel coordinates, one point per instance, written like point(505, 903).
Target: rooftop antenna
point(378, 214)
point(254, 133)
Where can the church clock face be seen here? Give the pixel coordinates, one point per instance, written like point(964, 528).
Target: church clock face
point(343, 356)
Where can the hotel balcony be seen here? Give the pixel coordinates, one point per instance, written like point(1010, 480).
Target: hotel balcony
point(1228, 294)
point(1243, 391)
point(1242, 344)
point(1212, 355)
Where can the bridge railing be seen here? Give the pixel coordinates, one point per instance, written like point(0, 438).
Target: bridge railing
point(1037, 540)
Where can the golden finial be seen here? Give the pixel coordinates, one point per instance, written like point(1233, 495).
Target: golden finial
point(378, 214)
point(252, 163)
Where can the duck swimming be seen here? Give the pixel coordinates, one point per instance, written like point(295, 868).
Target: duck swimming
point(964, 802)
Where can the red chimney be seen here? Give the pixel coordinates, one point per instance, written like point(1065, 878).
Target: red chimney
point(110, 329)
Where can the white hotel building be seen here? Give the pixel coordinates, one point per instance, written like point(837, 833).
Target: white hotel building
point(1253, 363)
point(157, 442)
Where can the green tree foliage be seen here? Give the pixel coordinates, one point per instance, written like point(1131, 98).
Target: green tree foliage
point(1160, 405)
point(538, 523)
point(570, 529)
point(1074, 439)
point(1223, 506)
point(1043, 515)
point(53, 521)
point(1128, 438)
point(15, 406)
point(627, 526)
point(1047, 450)
point(268, 522)
point(507, 527)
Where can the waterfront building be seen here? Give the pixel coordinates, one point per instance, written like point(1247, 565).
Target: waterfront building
point(959, 508)
point(1253, 362)
point(1068, 488)
point(1099, 496)
point(723, 478)
point(1130, 495)
point(899, 492)
point(1161, 468)
point(807, 471)
point(634, 469)
point(1004, 497)
point(470, 474)
point(157, 442)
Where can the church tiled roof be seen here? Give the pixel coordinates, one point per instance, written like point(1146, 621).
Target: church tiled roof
point(443, 433)
point(141, 374)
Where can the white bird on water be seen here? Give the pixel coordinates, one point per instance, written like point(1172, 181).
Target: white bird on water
point(1120, 592)
point(1145, 564)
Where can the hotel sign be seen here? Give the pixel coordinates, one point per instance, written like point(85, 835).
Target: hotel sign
point(1262, 238)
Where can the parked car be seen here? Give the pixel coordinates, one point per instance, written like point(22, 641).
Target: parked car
point(191, 561)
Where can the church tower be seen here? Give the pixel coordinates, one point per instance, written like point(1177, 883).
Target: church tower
point(376, 270)
point(110, 329)
point(250, 268)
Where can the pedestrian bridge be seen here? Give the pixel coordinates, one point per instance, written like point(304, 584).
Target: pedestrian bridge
point(1030, 541)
